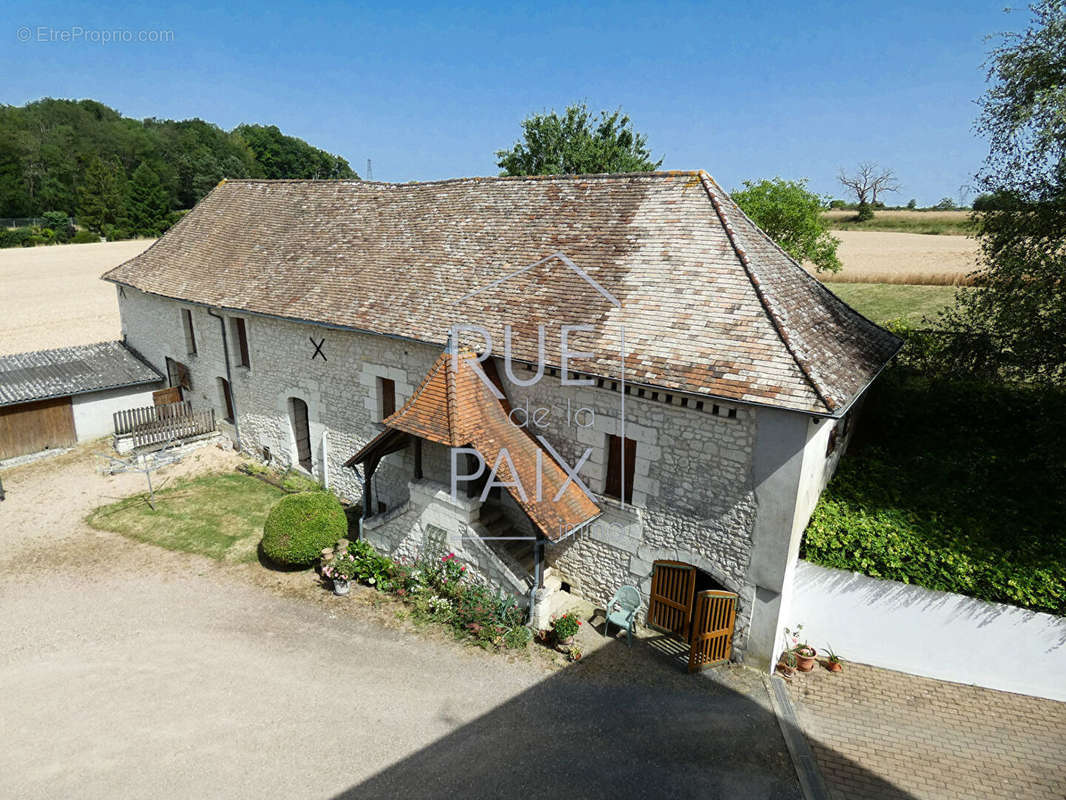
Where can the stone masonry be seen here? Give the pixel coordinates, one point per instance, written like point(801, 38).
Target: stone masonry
point(693, 498)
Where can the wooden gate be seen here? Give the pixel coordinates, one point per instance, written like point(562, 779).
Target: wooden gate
point(670, 605)
point(712, 629)
point(31, 427)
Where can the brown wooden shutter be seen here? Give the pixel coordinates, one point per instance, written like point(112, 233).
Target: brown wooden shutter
point(613, 485)
point(178, 374)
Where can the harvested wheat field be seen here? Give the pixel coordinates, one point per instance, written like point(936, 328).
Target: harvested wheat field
point(53, 296)
point(880, 257)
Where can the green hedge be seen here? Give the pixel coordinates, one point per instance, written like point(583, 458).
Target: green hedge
point(952, 485)
point(300, 526)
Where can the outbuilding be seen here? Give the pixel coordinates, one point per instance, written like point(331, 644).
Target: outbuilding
point(56, 398)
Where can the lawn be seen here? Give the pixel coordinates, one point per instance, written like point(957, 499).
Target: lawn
point(958, 223)
point(882, 302)
point(220, 516)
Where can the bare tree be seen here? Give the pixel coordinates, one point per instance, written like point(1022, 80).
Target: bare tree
point(868, 181)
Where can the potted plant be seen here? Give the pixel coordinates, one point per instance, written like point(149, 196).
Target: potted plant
point(787, 663)
point(805, 655)
point(565, 627)
point(575, 653)
point(832, 661)
point(340, 569)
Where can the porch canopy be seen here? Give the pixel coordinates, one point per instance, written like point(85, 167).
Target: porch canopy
point(454, 407)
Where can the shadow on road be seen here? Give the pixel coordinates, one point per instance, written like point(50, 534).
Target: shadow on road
point(624, 722)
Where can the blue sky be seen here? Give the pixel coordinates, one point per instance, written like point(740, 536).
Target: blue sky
point(427, 91)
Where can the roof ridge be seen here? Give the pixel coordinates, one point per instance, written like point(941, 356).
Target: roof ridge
point(569, 176)
point(709, 182)
point(64, 347)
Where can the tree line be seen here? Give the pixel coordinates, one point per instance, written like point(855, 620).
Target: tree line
point(122, 176)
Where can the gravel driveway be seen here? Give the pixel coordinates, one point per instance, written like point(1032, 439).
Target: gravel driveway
point(127, 670)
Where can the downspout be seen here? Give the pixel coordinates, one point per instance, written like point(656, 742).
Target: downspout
point(229, 376)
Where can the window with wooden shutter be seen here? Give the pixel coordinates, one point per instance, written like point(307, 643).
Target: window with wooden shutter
point(619, 483)
point(190, 334)
point(387, 395)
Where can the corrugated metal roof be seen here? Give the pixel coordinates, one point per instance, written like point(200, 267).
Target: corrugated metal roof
point(42, 374)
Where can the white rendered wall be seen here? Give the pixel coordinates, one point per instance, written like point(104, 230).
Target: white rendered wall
point(93, 411)
point(936, 634)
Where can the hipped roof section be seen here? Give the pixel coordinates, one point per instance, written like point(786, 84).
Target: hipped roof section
point(454, 407)
point(709, 304)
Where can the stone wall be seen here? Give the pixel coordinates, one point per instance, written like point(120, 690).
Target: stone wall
point(693, 493)
point(693, 497)
point(340, 392)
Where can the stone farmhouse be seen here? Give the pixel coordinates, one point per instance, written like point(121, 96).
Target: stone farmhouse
point(573, 382)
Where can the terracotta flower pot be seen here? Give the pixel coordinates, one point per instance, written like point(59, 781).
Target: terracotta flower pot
point(805, 662)
point(834, 666)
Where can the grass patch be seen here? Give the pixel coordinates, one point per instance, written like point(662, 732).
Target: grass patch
point(220, 516)
point(952, 485)
point(957, 223)
point(882, 302)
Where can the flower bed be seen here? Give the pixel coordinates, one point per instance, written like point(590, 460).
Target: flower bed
point(438, 590)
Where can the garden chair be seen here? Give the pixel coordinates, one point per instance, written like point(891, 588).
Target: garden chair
point(622, 611)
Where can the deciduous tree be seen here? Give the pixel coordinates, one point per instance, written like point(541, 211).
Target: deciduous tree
point(1020, 303)
point(866, 183)
point(577, 142)
point(792, 216)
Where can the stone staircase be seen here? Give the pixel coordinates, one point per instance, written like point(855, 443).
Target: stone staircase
point(516, 553)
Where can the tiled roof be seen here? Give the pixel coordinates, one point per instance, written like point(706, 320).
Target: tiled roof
point(453, 407)
point(709, 304)
point(43, 374)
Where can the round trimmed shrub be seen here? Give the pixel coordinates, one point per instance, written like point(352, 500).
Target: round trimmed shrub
point(300, 525)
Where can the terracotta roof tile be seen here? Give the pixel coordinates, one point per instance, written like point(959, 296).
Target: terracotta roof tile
point(453, 406)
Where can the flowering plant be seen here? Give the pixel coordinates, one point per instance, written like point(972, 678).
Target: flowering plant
point(565, 625)
point(801, 649)
point(341, 567)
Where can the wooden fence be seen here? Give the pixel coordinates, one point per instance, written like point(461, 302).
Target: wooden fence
point(159, 424)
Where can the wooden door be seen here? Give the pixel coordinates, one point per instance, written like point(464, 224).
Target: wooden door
point(670, 605)
point(32, 427)
point(712, 629)
point(302, 431)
